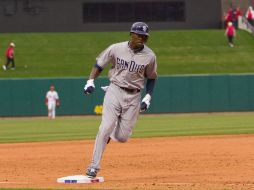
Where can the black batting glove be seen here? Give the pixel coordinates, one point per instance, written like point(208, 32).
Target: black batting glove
point(143, 107)
point(89, 90)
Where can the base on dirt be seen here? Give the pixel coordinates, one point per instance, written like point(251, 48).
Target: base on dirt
point(79, 179)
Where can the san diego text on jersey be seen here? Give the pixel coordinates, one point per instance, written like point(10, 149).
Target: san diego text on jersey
point(129, 65)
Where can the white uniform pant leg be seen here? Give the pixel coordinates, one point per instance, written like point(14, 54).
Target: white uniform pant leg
point(128, 118)
point(54, 111)
point(110, 113)
point(51, 110)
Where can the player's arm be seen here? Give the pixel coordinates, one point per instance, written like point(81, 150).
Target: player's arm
point(102, 61)
point(89, 87)
point(150, 83)
point(58, 102)
point(96, 70)
point(46, 101)
point(151, 74)
point(150, 86)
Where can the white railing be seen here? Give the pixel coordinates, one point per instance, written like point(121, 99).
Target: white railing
point(245, 25)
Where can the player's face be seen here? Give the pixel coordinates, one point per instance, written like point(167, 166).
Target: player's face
point(137, 40)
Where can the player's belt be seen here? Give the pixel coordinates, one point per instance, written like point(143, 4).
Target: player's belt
point(130, 90)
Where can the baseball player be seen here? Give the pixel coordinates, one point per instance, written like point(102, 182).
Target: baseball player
point(51, 101)
point(131, 63)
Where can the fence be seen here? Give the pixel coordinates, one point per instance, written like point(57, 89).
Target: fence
point(172, 94)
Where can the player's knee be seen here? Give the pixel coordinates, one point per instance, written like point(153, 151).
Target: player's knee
point(122, 138)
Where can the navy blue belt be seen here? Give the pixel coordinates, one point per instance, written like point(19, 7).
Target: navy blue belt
point(130, 90)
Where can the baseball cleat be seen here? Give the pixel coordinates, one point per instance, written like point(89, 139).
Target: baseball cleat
point(4, 67)
point(91, 172)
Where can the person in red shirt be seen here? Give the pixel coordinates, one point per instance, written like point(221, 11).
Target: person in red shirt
point(236, 13)
point(228, 17)
point(249, 15)
point(230, 33)
point(10, 57)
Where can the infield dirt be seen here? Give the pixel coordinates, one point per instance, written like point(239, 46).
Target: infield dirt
point(175, 163)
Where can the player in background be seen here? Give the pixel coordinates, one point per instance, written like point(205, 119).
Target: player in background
point(52, 101)
point(9, 57)
point(132, 62)
point(230, 33)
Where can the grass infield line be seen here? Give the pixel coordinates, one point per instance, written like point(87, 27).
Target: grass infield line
point(41, 129)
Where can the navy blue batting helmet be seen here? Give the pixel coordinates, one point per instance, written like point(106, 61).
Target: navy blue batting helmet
point(140, 28)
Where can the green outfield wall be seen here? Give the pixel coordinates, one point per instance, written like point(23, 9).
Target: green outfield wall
point(172, 94)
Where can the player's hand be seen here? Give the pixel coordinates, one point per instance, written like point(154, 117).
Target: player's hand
point(89, 87)
point(145, 103)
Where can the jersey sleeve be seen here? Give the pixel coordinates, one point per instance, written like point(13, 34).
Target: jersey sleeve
point(105, 57)
point(151, 69)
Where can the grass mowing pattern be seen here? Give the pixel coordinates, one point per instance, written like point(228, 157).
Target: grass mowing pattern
point(178, 52)
point(43, 129)
point(194, 124)
point(80, 128)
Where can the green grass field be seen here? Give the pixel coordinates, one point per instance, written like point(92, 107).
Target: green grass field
point(178, 52)
point(14, 130)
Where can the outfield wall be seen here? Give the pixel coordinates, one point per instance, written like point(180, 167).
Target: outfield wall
point(173, 94)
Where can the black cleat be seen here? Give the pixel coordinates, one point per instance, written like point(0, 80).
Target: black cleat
point(91, 172)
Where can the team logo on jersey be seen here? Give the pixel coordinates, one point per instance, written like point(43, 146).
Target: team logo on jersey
point(131, 66)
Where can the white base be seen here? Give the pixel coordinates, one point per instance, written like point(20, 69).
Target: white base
point(79, 179)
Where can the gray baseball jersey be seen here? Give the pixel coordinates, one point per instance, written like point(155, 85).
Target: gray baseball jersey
point(121, 106)
point(129, 68)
